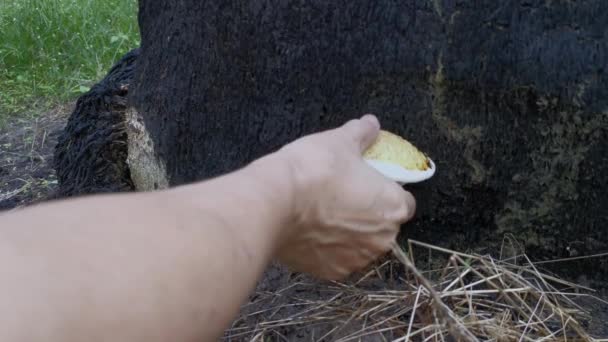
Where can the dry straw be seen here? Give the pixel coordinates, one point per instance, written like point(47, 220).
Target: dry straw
point(469, 297)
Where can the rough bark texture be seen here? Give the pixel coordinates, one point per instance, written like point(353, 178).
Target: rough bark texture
point(509, 98)
point(91, 153)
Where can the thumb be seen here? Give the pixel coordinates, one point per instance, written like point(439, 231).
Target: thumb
point(363, 131)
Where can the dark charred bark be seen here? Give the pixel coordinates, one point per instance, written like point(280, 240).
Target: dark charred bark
point(91, 153)
point(509, 98)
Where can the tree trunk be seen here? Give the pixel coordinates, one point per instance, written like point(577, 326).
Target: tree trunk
point(509, 98)
point(91, 153)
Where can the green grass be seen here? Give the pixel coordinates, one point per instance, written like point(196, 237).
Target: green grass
point(53, 50)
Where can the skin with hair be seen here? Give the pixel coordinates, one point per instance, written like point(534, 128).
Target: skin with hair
point(175, 265)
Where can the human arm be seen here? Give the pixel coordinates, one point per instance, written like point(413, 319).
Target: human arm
point(177, 264)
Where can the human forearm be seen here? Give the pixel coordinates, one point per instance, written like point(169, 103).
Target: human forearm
point(171, 265)
point(175, 265)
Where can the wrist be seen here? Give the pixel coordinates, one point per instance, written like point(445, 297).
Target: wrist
point(255, 202)
point(274, 178)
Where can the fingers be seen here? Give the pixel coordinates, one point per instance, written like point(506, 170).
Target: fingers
point(408, 207)
point(347, 259)
point(363, 131)
point(360, 255)
point(371, 119)
point(395, 204)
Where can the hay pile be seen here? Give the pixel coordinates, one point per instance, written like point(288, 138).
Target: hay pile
point(469, 298)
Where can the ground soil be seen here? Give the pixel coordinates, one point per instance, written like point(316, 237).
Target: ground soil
point(26, 157)
point(27, 176)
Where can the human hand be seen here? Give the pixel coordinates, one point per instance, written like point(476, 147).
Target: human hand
point(346, 213)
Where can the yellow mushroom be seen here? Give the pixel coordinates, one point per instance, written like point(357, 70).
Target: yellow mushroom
point(391, 148)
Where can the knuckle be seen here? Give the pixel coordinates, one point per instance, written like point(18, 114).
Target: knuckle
point(404, 213)
point(407, 207)
point(352, 127)
point(412, 204)
point(399, 195)
point(382, 243)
